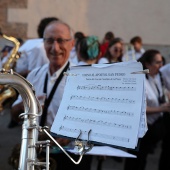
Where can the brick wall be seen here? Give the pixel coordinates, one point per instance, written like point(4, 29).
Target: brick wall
point(12, 29)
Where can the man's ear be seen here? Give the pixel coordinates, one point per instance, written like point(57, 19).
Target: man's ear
point(73, 43)
point(147, 65)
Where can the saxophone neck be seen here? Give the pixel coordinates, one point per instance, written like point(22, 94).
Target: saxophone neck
point(10, 63)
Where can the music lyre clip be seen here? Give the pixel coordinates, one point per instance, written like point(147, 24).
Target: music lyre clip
point(146, 71)
point(83, 146)
point(69, 74)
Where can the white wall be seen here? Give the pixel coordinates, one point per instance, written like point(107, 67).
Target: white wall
point(126, 18)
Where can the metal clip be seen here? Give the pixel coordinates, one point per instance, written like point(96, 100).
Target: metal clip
point(83, 146)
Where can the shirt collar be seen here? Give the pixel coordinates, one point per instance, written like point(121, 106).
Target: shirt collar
point(57, 73)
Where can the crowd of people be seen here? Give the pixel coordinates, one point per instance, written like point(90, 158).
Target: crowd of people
point(63, 49)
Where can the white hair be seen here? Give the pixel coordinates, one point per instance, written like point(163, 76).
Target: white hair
point(63, 23)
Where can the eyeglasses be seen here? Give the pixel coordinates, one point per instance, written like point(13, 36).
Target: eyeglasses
point(118, 50)
point(60, 41)
point(158, 62)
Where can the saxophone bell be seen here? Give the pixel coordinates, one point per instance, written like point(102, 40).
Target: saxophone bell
point(7, 94)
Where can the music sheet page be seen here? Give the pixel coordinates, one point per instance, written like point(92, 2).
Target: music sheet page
point(108, 101)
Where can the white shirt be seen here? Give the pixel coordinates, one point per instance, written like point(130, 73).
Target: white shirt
point(5, 59)
point(37, 79)
point(130, 55)
point(31, 59)
point(152, 96)
point(82, 63)
point(73, 56)
point(103, 60)
point(165, 70)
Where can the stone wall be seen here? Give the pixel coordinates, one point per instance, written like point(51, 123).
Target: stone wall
point(12, 28)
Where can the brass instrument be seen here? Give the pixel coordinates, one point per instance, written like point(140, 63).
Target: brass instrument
point(7, 93)
point(30, 128)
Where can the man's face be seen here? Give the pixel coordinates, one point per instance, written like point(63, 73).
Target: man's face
point(116, 50)
point(58, 44)
point(137, 46)
point(155, 65)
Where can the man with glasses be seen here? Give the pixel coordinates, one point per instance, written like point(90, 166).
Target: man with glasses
point(49, 80)
point(58, 42)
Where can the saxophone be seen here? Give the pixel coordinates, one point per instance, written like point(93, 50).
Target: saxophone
point(32, 109)
point(7, 92)
point(30, 127)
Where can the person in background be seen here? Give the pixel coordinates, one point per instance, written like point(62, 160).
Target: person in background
point(109, 36)
point(43, 23)
point(156, 111)
point(36, 56)
point(164, 161)
point(5, 52)
point(136, 49)
point(21, 41)
point(73, 58)
point(114, 52)
point(165, 70)
point(88, 50)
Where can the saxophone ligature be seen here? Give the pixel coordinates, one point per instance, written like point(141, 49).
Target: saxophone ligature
point(30, 127)
point(7, 93)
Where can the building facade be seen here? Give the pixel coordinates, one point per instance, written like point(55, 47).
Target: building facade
point(148, 18)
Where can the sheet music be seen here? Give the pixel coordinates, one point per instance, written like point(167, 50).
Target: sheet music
point(143, 122)
point(106, 100)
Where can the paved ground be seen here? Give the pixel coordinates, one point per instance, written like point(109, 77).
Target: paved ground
point(10, 137)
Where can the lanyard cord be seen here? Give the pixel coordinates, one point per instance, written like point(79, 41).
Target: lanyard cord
point(48, 100)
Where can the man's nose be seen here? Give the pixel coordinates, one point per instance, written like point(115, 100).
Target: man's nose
point(55, 45)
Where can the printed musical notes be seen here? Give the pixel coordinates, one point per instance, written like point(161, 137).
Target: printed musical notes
point(103, 99)
point(107, 100)
point(96, 122)
point(100, 111)
point(110, 137)
point(99, 87)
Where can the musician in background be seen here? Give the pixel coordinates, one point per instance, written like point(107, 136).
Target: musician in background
point(136, 51)
point(5, 53)
point(49, 80)
point(114, 52)
point(156, 111)
point(73, 58)
point(165, 70)
point(36, 56)
point(43, 23)
point(109, 36)
point(88, 50)
point(165, 161)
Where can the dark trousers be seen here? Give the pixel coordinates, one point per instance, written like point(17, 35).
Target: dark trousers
point(164, 163)
point(60, 161)
point(154, 134)
point(64, 163)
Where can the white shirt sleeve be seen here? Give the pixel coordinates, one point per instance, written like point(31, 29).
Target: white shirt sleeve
point(165, 70)
point(37, 57)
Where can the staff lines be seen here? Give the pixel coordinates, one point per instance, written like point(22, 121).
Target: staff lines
point(94, 134)
point(96, 122)
point(101, 87)
point(102, 99)
point(100, 111)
